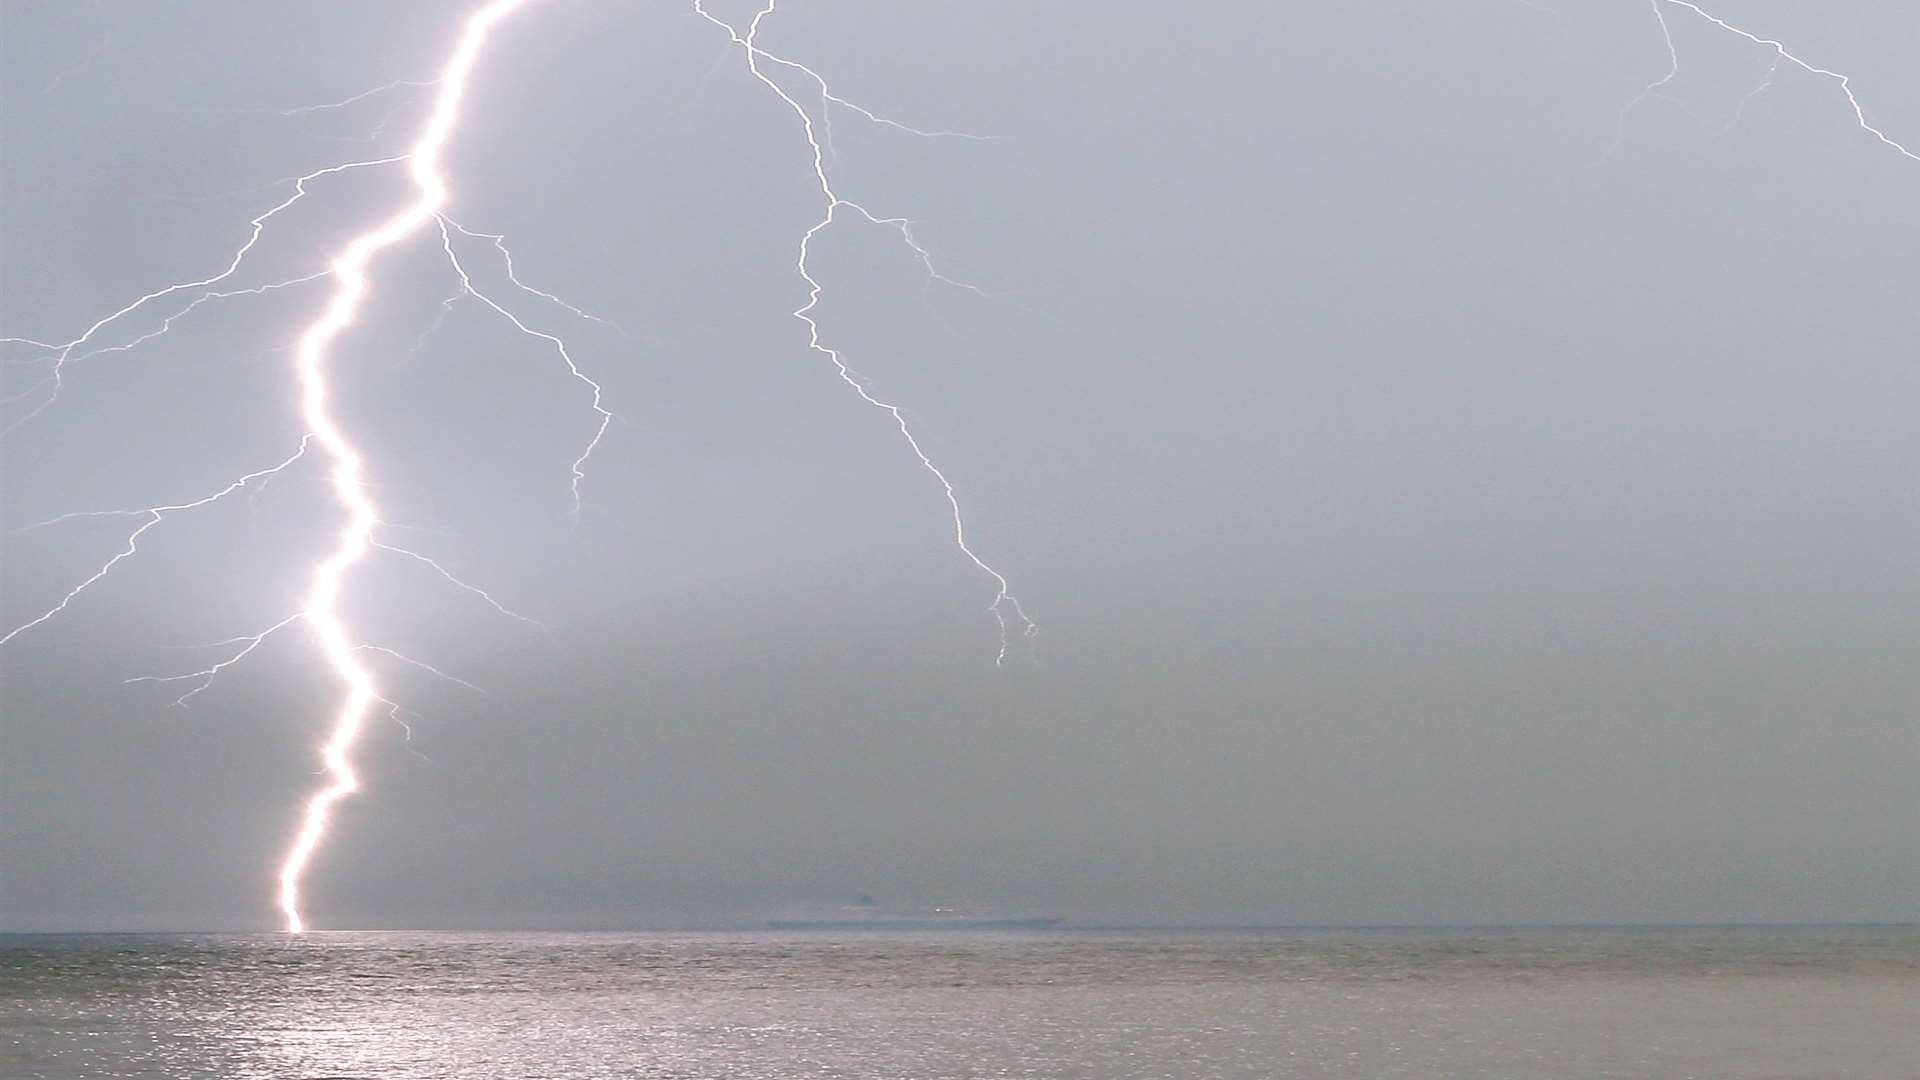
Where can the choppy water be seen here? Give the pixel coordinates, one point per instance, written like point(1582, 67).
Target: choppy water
point(1094, 1005)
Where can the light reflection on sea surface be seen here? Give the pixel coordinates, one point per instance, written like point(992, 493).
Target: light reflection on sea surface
point(1095, 1005)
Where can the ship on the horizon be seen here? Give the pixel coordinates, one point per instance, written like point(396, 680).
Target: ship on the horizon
point(867, 914)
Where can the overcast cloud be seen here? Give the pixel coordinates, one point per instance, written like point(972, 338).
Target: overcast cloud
point(1432, 515)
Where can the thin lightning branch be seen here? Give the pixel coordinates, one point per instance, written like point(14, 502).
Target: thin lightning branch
point(207, 675)
point(356, 535)
point(903, 225)
point(439, 320)
point(258, 225)
point(421, 664)
point(1651, 89)
point(606, 418)
point(34, 388)
point(154, 515)
point(165, 325)
point(1746, 99)
point(1003, 599)
point(303, 110)
point(379, 126)
point(235, 193)
point(827, 97)
point(474, 589)
point(1782, 55)
point(250, 642)
point(881, 120)
point(1673, 56)
point(830, 98)
point(394, 709)
point(1781, 51)
point(499, 241)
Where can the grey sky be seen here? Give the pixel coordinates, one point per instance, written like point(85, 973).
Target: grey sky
point(1431, 517)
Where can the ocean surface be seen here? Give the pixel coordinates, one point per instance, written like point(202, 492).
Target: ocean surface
point(1099, 1005)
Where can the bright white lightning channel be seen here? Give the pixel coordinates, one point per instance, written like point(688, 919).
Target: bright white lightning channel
point(325, 437)
point(356, 536)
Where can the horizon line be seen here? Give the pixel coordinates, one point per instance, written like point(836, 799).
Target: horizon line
point(761, 927)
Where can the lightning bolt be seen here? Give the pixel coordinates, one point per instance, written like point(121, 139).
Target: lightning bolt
point(356, 536)
point(1003, 599)
point(1782, 56)
point(359, 532)
point(348, 272)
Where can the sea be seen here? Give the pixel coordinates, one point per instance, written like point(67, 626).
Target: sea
point(1722, 1003)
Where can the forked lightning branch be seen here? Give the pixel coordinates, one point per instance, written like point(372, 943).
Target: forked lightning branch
point(353, 273)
